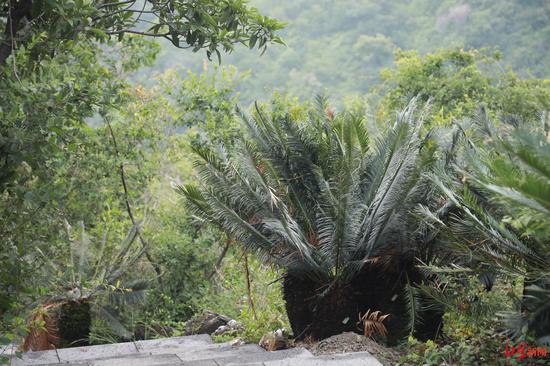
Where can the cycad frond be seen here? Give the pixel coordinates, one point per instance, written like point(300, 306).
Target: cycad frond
point(503, 202)
point(373, 323)
point(392, 185)
point(413, 301)
point(317, 196)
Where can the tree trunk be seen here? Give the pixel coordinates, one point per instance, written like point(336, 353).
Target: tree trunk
point(74, 323)
point(18, 10)
point(66, 324)
point(321, 316)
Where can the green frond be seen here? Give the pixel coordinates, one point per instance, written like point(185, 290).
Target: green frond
point(317, 197)
point(110, 318)
point(414, 306)
point(500, 187)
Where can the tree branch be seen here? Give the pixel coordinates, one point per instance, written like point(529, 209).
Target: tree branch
point(116, 4)
point(129, 207)
point(220, 259)
point(248, 286)
point(16, 13)
point(137, 32)
point(126, 10)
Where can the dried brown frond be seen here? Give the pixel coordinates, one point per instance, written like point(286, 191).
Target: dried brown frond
point(440, 202)
point(373, 260)
point(373, 323)
point(386, 262)
point(254, 220)
point(43, 331)
point(273, 341)
point(312, 238)
point(279, 250)
point(330, 113)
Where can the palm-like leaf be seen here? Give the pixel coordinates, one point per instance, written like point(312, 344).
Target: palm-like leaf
point(373, 323)
point(318, 197)
point(511, 178)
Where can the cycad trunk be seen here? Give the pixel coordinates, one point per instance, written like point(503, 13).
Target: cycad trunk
point(74, 323)
point(319, 317)
point(532, 303)
point(59, 325)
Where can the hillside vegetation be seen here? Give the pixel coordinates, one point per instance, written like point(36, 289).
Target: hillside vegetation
point(341, 46)
point(386, 173)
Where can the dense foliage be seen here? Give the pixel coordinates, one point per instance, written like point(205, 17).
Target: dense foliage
point(431, 210)
point(456, 82)
point(510, 234)
point(341, 46)
point(81, 147)
point(207, 24)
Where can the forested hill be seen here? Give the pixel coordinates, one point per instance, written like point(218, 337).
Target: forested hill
point(341, 45)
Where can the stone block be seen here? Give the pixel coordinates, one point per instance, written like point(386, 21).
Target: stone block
point(96, 352)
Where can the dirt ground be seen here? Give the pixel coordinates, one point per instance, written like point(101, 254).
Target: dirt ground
point(352, 342)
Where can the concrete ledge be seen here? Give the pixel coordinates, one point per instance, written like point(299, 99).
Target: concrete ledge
point(36, 358)
point(221, 351)
point(174, 344)
point(348, 359)
point(188, 351)
point(96, 352)
point(132, 360)
point(296, 354)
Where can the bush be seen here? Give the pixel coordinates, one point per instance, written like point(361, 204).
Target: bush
point(229, 296)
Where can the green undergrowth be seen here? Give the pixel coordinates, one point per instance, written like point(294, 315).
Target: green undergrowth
point(472, 332)
point(229, 296)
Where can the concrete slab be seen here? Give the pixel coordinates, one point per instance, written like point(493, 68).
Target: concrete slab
point(254, 358)
point(199, 363)
point(348, 359)
point(138, 360)
point(188, 351)
point(127, 360)
point(222, 350)
point(96, 352)
point(175, 344)
point(36, 358)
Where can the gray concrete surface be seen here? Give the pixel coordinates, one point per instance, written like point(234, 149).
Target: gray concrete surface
point(187, 351)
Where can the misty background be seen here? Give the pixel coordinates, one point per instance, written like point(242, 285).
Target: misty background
point(340, 47)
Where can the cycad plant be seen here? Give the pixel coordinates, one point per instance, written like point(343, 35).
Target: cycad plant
point(501, 189)
point(90, 279)
point(331, 205)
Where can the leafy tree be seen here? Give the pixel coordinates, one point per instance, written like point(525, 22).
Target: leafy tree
point(61, 71)
point(343, 45)
point(43, 116)
point(205, 24)
point(455, 81)
point(44, 38)
point(331, 205)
